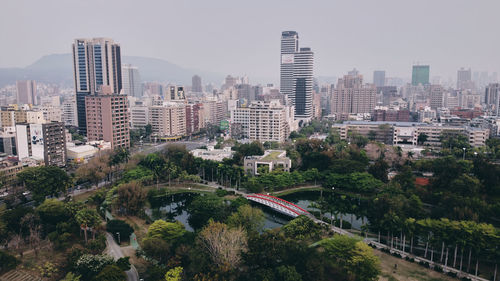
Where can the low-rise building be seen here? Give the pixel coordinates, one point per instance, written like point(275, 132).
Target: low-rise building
point(270, 161)
point(213, 154)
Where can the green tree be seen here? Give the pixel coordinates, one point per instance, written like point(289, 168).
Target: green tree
point(123, 263)
point(156, 164)
point(70, 276)
point(203, 208)
point(131, 197)
point(251, 219)
point(44, 181)
point(119, 226)
point(52, 212)
point(379, 170)
point(168, 231)
point(90, 265)
point(301, 228)
point(111, 273)
point(288, 273)
point(88, 219)
point(422, 138)
point(353, 255)
point(174, 274)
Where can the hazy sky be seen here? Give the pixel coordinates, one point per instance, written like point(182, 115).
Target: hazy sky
point(243, 37)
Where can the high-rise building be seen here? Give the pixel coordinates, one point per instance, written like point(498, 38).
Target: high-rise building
point(436, 94)
point(492, 98)
point(193, 112)
point(69, 116)
point(464, 79)
point(264, 121)
point(352, 96)
point(45, 142)
point(96, 62)
point(289, 46)
point(131, 81)
point(139, 116)
point(175, 93)
point(420, 75)
point(107, 118)
point(168, 120)
point(379, 78)
point(302, 94)
point(196, 86)
point(26, 92)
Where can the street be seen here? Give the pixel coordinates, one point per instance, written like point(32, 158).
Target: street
point(115, 251)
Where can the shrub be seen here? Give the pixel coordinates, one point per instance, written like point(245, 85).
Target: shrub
point(119, 226)
point(7, 262)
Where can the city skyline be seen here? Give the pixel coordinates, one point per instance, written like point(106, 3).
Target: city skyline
point(370, 40)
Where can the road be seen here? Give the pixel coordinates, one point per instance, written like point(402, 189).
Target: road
point(115, 251)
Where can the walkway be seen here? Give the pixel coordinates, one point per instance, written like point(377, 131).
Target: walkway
point(116, 252)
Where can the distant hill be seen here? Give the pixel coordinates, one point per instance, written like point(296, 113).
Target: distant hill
point(58, 68)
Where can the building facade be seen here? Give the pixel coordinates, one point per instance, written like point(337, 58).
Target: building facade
point(420, 75)
point(96, 63)
point(26, 92)
point(289, 46)
point(107, 118)
point(131, 81)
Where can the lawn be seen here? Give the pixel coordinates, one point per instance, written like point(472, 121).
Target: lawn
point(406, 271)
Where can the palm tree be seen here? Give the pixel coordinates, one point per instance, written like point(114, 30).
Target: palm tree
point(88, 219)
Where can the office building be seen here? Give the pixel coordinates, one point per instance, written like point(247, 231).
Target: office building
point(26, 92)
point(97, 63)
point(379, 78)
point(107, 118)
point(139, 116)
point(131, 81)
point(352, 96)
point(289, 46)
point(464, 79)
point(45, 142)
point(420, 75)
point(196, 86)
point(302, 95)
point(492, 98)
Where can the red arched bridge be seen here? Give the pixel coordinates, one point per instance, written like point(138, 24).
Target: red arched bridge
point(278, 204)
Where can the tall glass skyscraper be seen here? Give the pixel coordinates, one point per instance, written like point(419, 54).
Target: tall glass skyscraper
point(420, 75)
point(289, 46)
point(96, 62)
point(296, 74)
point(302, 95)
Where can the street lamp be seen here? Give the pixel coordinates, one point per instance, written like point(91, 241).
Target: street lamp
point(118, 233)
point(464, 153)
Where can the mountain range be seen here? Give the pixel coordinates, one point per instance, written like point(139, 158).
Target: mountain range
point(58, 68)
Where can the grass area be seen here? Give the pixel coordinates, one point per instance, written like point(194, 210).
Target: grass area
point(406, 271)
point(273, 155)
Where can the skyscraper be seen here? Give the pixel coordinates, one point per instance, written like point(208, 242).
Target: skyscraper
point(289, 46)
point(420, 75)
point(96, 62)
point(379, 78)
point(131, 81)
point(302, 94)
point(464, 79)
point(26, 92)
point(196, 84)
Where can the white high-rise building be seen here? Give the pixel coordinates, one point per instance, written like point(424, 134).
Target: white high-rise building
point(302, 95)
point(96, 62)
point(289, 46)
point(69, 112)
point(265, 121)
point(168, 120)
point(131, 81)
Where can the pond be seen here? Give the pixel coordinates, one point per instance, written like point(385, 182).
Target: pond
point(174, 207)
